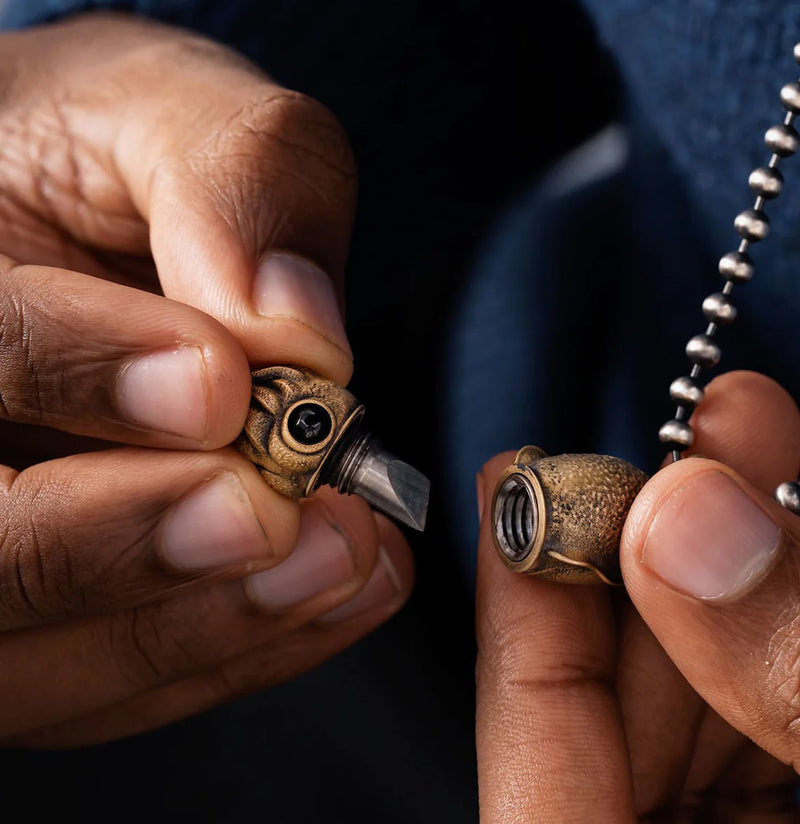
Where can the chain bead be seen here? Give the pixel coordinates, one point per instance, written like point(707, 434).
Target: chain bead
point(788, 496)
point(678, 433)
point(703, 350)
point(686, 391)
point(736, 267)
point(752, 225)
point(782, 139)
point(790, 97)
point(718, 309)
point(766, 181)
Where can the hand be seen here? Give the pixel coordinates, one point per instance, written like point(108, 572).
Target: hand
point(587, 713)
point(143, 583)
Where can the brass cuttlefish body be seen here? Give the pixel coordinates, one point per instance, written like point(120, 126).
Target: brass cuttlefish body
point(304, 431)
point(561, 517)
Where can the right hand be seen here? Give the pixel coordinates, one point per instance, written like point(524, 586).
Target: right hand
point(596, 707)
point(169, 216)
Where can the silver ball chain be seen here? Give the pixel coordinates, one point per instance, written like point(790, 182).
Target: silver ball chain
point(752, 225)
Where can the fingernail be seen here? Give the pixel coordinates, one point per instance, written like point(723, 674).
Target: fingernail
point(383, 586)
point(291, 286)
point(480, 485)
point(165, 391)
point(214, 526)
point(322, 559)
point(709, 540)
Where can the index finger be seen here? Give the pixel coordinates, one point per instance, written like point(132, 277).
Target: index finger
point(250, 207)
point(242, 191)
point(551, 747)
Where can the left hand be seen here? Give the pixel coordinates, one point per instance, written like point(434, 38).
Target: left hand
point(180, 218)
point(582, 714)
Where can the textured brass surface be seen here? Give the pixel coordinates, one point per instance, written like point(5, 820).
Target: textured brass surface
point(580, 501)
point(287, 465)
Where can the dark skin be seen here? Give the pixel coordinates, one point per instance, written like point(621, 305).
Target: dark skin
point(148, 176)
point(595, 706)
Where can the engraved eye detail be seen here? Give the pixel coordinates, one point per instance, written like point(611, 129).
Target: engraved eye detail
point(296, 419)
point(308, 426)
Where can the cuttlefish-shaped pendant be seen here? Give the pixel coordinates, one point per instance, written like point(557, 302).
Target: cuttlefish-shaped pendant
point(304, 431)
point(561, 517)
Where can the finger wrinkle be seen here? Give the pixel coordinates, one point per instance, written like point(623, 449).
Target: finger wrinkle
point(519, 669)
point(563, 685)
point(565, 628)
point(241, 115)
point(782, 683)
point(312, 125)
point(52, 177)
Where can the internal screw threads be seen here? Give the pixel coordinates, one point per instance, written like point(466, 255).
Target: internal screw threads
point(752, 225)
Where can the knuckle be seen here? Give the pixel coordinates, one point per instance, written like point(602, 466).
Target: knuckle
point(276, 136)
point(20, 388)
point(305, 127)
point(50, 176)
point(33, 380)
point(48, 368)
point(54, 562)
point(156, 643)
point(783, 680)
point(37, 576)
point(131, 640)
point(505, 661)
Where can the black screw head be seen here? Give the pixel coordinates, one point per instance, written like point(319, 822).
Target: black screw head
point(310, 423)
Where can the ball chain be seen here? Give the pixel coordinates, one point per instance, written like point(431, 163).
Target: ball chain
point(752, 226)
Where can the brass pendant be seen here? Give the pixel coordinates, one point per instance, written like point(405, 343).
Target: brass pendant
point(304, 431)
point(561, 517)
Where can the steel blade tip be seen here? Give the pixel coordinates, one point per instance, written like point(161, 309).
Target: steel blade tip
point(412, 489)
point(393, 486)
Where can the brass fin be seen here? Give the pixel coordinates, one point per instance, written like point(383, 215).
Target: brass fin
point(528, 455)
point(585, 564)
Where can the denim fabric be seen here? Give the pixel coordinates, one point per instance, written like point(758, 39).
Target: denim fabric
point(707, 75)
point(21, 13)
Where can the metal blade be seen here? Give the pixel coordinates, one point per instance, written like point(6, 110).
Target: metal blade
point(392, 486)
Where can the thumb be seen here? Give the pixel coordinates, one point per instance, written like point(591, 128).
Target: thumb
point(712, 565)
